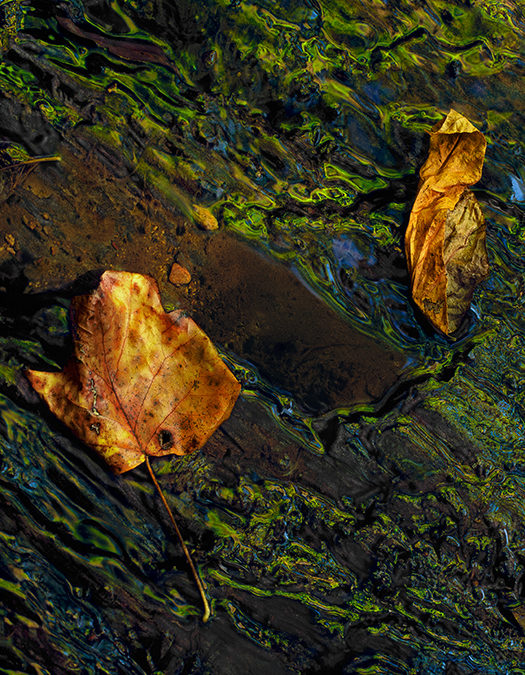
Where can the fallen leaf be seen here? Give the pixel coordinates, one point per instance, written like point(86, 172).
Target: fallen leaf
point(141, 382)
point(445, 238)
point(179, 275)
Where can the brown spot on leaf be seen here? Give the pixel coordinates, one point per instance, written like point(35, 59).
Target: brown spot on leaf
point(166, 439)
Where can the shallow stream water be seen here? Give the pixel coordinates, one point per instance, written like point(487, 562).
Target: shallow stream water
point(372, 532)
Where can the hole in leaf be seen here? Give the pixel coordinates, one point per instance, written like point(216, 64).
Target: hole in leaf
point(165, 439)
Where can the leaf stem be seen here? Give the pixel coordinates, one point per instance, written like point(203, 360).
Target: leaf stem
point(194, 572)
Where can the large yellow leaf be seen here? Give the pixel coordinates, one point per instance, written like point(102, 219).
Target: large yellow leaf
point(141, 382)
point(445, 238)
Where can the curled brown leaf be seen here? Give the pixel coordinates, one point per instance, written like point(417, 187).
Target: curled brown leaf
point(445, 238)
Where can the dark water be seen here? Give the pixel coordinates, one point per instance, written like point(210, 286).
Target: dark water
point(379, 539)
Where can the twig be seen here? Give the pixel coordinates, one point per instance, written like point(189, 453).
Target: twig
point(34, 160)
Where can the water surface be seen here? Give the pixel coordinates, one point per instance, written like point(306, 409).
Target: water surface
point(374, 534)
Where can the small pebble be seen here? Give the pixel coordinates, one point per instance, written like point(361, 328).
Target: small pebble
point(31, 224)
point(179, 275)
point(205, 218)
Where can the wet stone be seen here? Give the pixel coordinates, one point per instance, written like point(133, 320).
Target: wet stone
point(262, 311)
point(179, 275)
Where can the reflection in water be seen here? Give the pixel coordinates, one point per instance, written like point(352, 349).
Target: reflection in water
point(382, 539)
